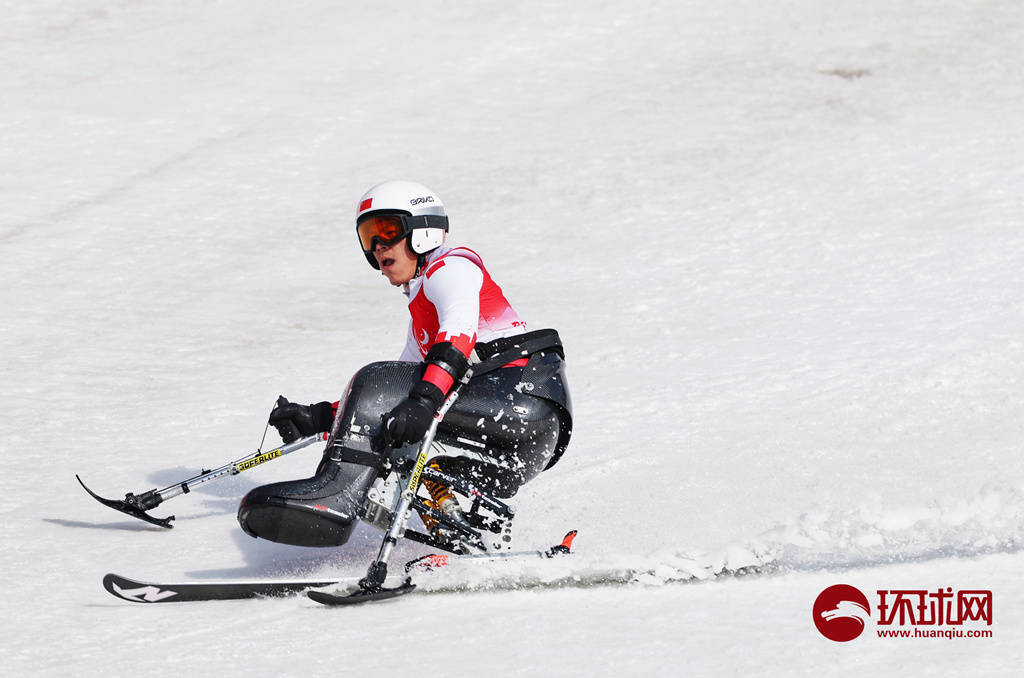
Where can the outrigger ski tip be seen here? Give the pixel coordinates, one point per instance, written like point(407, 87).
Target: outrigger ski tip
point(133, 505)
point(136, 505)
point(565, 546)
point(362, 595)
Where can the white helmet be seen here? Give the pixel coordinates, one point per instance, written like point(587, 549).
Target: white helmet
point(415, 213)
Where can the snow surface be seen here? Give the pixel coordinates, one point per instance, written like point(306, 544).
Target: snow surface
point(782, 243)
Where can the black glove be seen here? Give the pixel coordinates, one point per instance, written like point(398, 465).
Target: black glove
point(294, 421)
point(409, 420)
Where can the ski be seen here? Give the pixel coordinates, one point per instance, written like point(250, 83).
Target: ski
point(148, 592)
point(138, 591)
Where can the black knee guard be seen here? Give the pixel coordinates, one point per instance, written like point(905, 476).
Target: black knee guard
point(318, 511)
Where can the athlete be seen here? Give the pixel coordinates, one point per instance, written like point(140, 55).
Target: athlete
point(507, 425)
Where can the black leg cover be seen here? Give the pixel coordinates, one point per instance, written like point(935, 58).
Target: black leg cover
point(318, 511)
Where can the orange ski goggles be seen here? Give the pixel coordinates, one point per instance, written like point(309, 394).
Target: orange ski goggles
point(387, 229)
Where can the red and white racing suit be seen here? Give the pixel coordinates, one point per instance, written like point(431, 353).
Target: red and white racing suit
point(455, 300)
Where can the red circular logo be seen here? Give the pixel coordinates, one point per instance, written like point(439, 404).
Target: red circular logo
point(840, 612)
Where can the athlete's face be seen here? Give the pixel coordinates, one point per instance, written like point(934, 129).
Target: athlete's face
point(397, 262)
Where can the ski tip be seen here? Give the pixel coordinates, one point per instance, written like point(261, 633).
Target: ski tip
point(135, 591)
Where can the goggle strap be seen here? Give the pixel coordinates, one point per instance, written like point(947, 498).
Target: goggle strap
point(425, 221)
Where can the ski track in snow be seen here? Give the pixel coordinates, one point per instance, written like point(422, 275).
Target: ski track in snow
point(822, 540)
point(782, 243)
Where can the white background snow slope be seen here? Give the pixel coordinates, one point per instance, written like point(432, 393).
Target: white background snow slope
point(782, 243)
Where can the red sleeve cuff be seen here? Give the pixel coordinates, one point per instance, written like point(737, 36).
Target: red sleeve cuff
point(439, 378)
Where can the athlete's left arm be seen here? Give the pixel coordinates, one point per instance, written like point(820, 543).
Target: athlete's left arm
point(453, 286)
